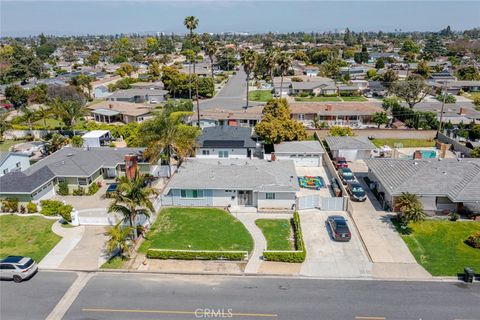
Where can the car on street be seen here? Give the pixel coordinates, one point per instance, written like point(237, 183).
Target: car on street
point(356, 191)
point(346, 175)
point(339, 228)
point(17, 268)
point(340, 162)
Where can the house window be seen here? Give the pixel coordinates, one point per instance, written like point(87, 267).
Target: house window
point(5, 171)
point(223, 154)
point(193, 194)
point(61, 179)
point(206, 152)
point(82, 181)
point(18, 165)
point(301, 117)
point(270, 196)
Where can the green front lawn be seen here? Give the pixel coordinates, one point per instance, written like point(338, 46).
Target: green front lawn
point(6, 144)
point(438, 246)
point(407, 143)
point(318, 99)
point(354, 99)
point(114, 263)
point(260, 95)
point(26, 236)
point(197, 229)
point(278, 233)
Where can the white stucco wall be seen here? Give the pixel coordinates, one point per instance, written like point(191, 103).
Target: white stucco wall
point(232, 153)
point(283, 200)
point(11, 164)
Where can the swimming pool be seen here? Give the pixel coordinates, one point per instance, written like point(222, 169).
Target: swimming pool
point(309, 182)
point(428, 154)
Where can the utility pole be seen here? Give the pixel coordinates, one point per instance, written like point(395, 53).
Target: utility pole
point(443, 105)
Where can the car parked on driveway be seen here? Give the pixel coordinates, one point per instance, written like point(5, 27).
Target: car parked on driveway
point(111, 189)
point(340, 162)
point(356, 191)
point(339, 228)
point(346, 175)
point(17, 268)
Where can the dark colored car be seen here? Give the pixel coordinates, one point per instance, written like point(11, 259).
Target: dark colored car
point(346, 175)
point(339, 228)
point(356, 191)
point(340, 162)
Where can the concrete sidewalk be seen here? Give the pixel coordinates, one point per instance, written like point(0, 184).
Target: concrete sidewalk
point(70, 238)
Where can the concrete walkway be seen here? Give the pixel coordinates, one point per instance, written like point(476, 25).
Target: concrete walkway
point(259, 241)
point(70, 238)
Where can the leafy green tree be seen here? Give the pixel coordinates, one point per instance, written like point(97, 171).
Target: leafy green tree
point(154, 70)
point(410, 207)
point(475, 153)
point(17, 96)
point(126, 69)
point(449, 98)
point(361, 57)
point(248, 59)
point(389, 78)
point(413, 90)
point(468, 73)
point(19, 63)
point(29, 116)
point(83, 83)
point(380, 118)
point(38, 94)
point(409, 46)
point(77, 141)
point(93, 58)
point(151, 46)
point(132, 200)
point(423, 69)
point(338, 131)
point(433, 48)
point(390, 103)
point(69, 112)
point(45, 48)
point(277, 125)
point(119, 240)
point(43, 113)
point(226, 59)
point(56, 143)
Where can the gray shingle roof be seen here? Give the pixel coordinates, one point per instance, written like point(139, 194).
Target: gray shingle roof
point(299, 147)
point(358, 142)
point(227, 134)
point(5, 155)
point(457, 180)
point(236, 174)
point(25, 182)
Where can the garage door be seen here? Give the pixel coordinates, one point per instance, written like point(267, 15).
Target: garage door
point(308, 160)
point(349, 155)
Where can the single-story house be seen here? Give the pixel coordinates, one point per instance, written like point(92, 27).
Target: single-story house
point(282, 90)
point(226, 142)
point(13, 162)
point(348, 90)
point(311, 71)
point(442, 185)
point(351, 148)
point(115, 111)
point(97, 138)
point(233, 182)
point(376, 88)
point(101, 92)
point(228, 117)
point(441, 77)
point(303, 153)
point(314, 87)
point(78, 167)
point(353, 114)
point(158, 85)
point(139, 95)
point(454, 87)
point(374, 56)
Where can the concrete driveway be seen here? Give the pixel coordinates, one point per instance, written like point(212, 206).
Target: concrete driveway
point(328, 258)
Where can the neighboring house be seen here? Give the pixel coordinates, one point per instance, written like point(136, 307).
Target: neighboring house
point(442, 185)
point(334, 114)
point(374, 56)
point(240, 182)
point(158, 85)
point(358, 72)
point(441, 77)
point(97, 138)
point(377, 89)
point(139, 95)
point(100, 92)
point(314, 88)
point(114, 111)
point(349, 90)
point(351, 148)
point(78, 167)
point(226, 142)
point(303, 153)
point(311, 71)
point(13, 162)
point(286, 88)
point(228, 117)
point(454, 87)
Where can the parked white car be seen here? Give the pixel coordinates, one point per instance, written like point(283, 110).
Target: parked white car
point(17, 268)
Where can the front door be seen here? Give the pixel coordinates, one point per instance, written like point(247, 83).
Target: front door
point(244, 197)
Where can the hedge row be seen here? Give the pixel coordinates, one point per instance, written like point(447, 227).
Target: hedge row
point(297, 256)
point(196, 254)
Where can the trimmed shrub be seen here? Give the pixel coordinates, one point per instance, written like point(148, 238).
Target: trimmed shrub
point(290, 256)
point(63, 188)
point(196, 254)
point(474, 240)
point(55, 207)
point(80, 191)
point(92, 189)
point(10, 205)
point(32, 207)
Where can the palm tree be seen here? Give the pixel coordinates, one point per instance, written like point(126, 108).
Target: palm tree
point(270, 63)
point(284, 63)
point(191, 23)
point(211, 49)
point(414, 214)
point(132, 199)
point(69, 111)
point(410, 207)
point(167, 135)
point(44, 113)
point(118, 242)
point(248, 58)
point(29, 116)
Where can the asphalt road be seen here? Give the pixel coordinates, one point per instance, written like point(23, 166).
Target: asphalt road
point(135, 296)
point(231, 96)
point(35, 298)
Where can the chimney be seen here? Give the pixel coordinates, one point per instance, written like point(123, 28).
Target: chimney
point(131, 166)
point(461, 111)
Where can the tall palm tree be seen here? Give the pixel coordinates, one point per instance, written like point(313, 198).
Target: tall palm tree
point(167, 135)
point(118, 241)
point(29, 116)
point(191, 23)
point(271, 63)
point(284, 62)
point(132, 199)
point(70, 112)
point(211, 49)
point(44, 113)
point(249, 59)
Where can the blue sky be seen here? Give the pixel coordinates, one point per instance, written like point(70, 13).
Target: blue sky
point(67, 17)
